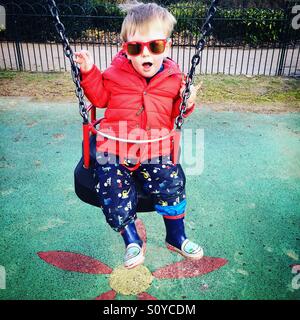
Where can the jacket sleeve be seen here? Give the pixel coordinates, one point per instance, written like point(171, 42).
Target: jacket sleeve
point(93, 86)
point(176, 111)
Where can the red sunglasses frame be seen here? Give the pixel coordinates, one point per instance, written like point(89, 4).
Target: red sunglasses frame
point(143, 44)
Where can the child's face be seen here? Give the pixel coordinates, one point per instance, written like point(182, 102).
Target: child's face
point(147, 64)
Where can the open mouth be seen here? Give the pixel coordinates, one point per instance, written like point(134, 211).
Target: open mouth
point(147, 65)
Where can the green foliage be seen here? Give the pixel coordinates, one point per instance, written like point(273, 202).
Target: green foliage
point(234, 25)
point(251, 26)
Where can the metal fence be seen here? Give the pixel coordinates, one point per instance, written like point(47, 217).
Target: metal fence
point(29, 42)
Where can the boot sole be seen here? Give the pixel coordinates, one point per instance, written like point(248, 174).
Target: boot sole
point(197, 256)
point(138, 262)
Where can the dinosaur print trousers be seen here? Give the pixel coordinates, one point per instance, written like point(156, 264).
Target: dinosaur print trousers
point(162, 180)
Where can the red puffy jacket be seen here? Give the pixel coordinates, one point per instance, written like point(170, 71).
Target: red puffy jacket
point(135, 109)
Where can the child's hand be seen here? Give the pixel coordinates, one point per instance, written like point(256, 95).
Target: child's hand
point(84, 59)
point(194, 90)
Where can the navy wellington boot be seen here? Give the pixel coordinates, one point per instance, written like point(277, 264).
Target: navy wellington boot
point(134, 254)
point(177, 241)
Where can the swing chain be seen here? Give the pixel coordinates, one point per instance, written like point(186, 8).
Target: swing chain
point(205, 30)
point(75, 72)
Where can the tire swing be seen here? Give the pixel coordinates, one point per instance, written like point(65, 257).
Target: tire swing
point(85, 179)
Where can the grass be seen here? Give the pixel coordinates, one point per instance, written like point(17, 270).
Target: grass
point(40, 86)
point(250, 90)
point(253, 92)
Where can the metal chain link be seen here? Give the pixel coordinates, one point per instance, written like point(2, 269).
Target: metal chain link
point(205, 30)
point(75, 72)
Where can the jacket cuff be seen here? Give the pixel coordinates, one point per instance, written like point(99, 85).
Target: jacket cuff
point(86, 74)
point(189, 111)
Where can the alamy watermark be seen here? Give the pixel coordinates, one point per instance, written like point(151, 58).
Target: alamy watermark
point(2, 18)
point(192, 145)
point(296, 279)
point(296, 19)
point(2, 278)
point(147, 146)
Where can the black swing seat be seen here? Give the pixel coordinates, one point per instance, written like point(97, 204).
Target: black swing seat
point(85, 181)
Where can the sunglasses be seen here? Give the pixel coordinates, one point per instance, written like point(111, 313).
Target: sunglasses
point(135, 48)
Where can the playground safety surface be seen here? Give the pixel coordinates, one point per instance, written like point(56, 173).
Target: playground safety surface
point(243, 208)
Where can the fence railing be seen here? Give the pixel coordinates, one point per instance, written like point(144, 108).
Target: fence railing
point(245, 41)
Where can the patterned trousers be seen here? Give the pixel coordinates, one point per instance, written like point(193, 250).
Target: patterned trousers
point(161, 180)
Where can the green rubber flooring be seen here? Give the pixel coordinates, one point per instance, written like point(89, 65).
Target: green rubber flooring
point(243, 206)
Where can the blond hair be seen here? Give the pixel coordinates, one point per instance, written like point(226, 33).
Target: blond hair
point(140, 16)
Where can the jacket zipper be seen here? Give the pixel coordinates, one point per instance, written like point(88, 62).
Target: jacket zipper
point(140, 111)
point(143, 119)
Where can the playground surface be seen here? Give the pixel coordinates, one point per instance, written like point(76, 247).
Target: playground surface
point(244, 209)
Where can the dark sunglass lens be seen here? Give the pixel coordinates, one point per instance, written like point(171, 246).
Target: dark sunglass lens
point(134, 48)
point(157, 46)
